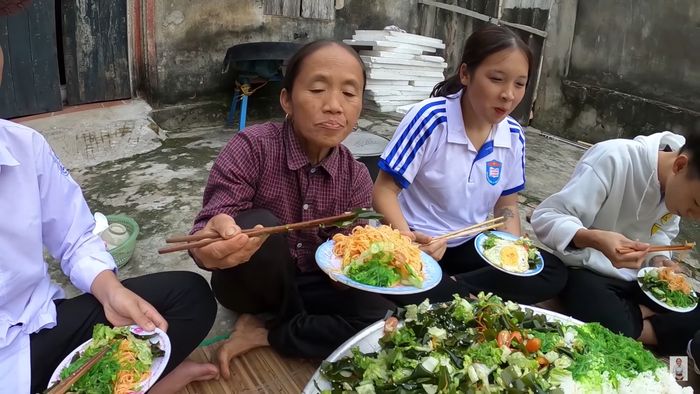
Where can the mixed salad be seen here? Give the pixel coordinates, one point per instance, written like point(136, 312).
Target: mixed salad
point(382, 266)
point(669, 287)
point(488, 346)
point(115, 368)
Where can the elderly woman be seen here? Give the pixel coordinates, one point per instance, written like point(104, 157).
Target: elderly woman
point(272, 174)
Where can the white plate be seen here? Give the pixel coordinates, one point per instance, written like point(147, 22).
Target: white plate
point(368, 342)
point(330, 264)
point(157, 367)
point(479, 244)
point(641, 273)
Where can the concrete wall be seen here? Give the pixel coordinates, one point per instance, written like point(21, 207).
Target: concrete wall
point(192, 38)
point(619, 68)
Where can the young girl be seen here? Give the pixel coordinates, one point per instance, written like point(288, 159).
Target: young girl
point(456, 157)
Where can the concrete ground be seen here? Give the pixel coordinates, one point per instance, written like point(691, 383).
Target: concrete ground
point(127, 166)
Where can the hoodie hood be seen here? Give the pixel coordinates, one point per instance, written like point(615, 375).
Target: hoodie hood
point(650, 147)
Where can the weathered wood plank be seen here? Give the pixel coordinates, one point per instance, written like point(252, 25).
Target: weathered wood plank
point(534, 14)
point(21, 61)
point(318, 9)
point(47, 81)
point(95, 50)
point(288, 8)
point(8, 104)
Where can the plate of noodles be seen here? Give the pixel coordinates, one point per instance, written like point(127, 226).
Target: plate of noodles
point(133, 364)
point(378, 260)
point(667, 288)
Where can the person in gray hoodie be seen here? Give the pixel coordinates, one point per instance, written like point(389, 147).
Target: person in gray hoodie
point(624, 193)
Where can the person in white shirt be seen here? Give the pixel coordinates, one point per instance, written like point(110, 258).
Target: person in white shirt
point(458, 156)
point(624, 193)
point(41, 205)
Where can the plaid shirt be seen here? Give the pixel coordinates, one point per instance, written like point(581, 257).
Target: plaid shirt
point(263, 167)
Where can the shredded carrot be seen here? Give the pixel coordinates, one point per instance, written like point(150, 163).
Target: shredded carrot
point(675, 281)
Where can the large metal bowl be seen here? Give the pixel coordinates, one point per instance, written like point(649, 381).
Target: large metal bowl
point(368, 342)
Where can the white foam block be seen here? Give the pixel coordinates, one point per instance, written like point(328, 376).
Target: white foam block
point(397, 50)
point(430, 58)
point(418, 39)
point(402, 74)
point(400, 40)
point(394, 55)
point(387, 61)
point(371, 82)
point(424, 82)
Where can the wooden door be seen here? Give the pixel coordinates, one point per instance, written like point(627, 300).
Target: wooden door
point(95, 49)
point(30, 81)
point(454, 20)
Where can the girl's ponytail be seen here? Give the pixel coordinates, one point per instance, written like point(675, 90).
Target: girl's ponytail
point(447, 87)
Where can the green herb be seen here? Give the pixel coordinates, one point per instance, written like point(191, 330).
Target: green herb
point(360, 214)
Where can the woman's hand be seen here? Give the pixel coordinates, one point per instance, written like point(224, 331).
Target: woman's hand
point(235, 248)
point(122, 306)
point(436, 250)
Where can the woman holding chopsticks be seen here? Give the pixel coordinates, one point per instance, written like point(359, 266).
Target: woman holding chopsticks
point(280, 173)
point(458, 156)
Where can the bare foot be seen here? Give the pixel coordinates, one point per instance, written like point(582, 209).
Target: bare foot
point(184, 374)
point(248, 334)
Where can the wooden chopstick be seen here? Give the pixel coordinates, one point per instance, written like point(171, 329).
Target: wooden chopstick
point(202, 240)
point(488, 222)
point(659, 248)
point(63, 386)
point(471, 232)
point(477, 228)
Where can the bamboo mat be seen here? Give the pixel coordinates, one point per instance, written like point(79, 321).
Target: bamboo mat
point(258, 371)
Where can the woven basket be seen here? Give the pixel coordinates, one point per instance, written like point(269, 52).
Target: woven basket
point(123, 253)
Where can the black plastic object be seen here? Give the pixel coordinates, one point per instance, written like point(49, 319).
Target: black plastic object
point(258, 58)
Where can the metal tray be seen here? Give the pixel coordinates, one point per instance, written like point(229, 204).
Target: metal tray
point(368, 342)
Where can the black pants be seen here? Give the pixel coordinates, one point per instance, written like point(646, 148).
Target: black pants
point(474, 275)
point(183, 298)
point(614, 303)
point(312, 316)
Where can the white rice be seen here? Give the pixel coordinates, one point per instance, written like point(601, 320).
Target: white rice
point(660, 382)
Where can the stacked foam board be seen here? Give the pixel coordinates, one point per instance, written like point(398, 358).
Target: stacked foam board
point(400, 68)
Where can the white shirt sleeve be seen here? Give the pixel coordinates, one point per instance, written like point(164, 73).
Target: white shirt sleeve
point(67, 222)
point(516, 169)
point(560, 216)
point(408, 149)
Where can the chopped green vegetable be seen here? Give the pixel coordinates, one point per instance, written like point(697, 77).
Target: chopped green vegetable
point(659, 289)
point(101, 378)
point(374, 267)
point(481, 346)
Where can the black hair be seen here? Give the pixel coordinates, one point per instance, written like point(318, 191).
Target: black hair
point(481, 44)
point(294, 64)
point(692, 149)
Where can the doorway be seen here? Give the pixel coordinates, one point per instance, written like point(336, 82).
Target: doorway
point(64, 52)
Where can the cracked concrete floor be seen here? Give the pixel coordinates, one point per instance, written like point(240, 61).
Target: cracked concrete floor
point(126, 166)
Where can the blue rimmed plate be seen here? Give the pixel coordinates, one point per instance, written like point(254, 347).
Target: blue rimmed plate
point(479, 244)
point(330, 264)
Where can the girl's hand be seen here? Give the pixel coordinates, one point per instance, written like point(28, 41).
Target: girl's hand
point(435, 250)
